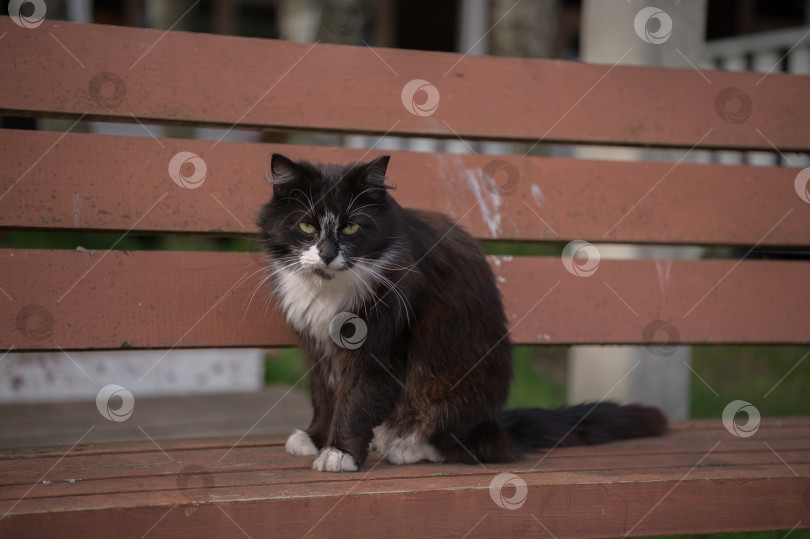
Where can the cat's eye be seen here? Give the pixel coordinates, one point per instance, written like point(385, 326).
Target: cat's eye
point(306, 227)
point(350, 229)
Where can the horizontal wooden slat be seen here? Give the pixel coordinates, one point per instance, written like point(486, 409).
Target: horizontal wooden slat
point(221, 80)
point(652, 486)
point(110, 300)
point(163, 417)
point(120, 183)
point(643, 456)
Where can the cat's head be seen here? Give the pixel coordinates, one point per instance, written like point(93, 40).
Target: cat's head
point(324, 219)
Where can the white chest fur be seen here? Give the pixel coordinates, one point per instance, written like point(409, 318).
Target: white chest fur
point(310, 303)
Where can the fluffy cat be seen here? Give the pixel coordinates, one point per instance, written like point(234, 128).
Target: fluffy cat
point(404, 330)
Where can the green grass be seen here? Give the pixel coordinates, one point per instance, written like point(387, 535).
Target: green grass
point(732, 372)
point(539, 377)
point(753, 374)
point(287, 367)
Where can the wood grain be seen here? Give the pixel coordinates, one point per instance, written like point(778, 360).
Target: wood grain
point(256, 83)
point(637, 487)
point(145, 299)
point(119, 184)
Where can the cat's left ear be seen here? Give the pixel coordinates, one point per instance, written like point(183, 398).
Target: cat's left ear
point(284, 174)
point(374, 172)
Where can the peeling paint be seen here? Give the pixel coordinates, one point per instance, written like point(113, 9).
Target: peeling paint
point(537, 195)
point(489, 201)
point(453, 171)
point(499, 259)
point(662, 268)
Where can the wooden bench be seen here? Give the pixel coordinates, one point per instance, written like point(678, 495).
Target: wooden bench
point(698, 478)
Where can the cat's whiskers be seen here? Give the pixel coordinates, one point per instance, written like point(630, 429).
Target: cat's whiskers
point(355, 197)
point(269, 276)
point(311, 207)
point(370, 218)
point(373, 294)
point(370, 267)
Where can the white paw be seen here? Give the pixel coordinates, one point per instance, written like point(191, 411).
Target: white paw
point(299, 443)
point(408, 451)
point(332, 459)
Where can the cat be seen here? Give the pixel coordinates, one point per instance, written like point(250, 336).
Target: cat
point(404, 330)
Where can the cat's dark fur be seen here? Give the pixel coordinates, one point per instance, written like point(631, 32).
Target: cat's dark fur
point(432, 375)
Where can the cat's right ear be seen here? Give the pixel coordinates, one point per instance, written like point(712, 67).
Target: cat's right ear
point(283, 174)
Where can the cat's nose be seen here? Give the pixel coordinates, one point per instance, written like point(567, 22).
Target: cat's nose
point(328, 251)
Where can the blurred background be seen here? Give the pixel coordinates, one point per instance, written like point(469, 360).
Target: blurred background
point(44, 397)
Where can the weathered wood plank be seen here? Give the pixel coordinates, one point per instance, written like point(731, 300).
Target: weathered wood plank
point(572, 492)
point(116, 299)
point(223, 80)
point(117, 184)
point(162, 417)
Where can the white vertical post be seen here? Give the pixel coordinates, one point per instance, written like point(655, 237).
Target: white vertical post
point(632, 373)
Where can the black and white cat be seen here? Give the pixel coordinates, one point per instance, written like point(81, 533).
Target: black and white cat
point(426, 371)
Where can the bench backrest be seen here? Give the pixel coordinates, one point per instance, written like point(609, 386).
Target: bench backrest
point(56, 181)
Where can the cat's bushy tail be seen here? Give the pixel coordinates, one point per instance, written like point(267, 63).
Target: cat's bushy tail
point(583, 424)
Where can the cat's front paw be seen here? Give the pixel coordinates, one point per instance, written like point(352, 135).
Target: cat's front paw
point(332, 459)
point(299, 443)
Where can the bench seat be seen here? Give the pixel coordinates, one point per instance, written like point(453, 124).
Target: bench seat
point(697, 478)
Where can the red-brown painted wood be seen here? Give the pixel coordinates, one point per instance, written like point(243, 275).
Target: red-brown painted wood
point(222, 80)
point(756, 482)
point(115, 299)
point(121, 183)
point(100, 476)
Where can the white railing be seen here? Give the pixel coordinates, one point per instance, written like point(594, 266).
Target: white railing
point(781, 51)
